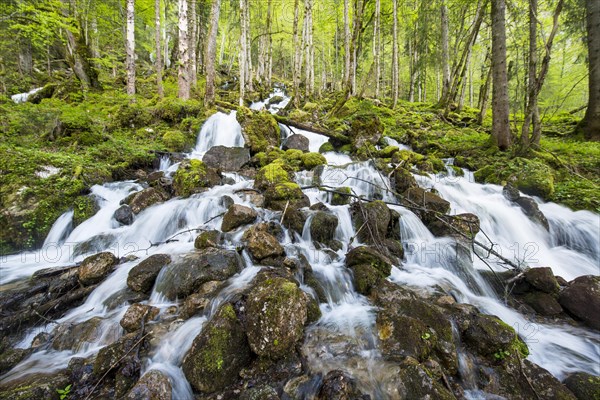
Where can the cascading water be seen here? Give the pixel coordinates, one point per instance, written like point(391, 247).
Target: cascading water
point(343, 338)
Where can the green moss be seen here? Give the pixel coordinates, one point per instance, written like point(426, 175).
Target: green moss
point(310, 107)
point(299, 115)
point(84, 208)
point(287, 191)
point(174, 110)
point(311, 160)
point(259, 128)
point(174, 140)
point(271, 174)
point(338, 197)
point(326, 147)
point(387, 151)
point(190, 178)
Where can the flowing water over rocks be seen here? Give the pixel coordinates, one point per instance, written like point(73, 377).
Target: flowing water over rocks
point(364, 293)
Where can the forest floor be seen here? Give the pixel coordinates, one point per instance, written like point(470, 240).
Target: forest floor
point(54, 151)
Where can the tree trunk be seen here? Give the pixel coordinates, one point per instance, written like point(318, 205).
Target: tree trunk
point(297, 55)
point(243, 52)
point(377, 46)
point(395, 77)
point(184, 54)
point(347, 39)
point(445, 56)
point(158, 49)
point(193, 33)
point(130, 48)
point(309, 55)
point(484, 94)
point(500, 105)
point(591, 121)
point(211, 53)
point(269, 44)
point(25, 57)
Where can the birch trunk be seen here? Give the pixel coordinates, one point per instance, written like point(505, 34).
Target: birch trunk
point(377, 46)
point(130, 48)
point(243, 53)
point(445, 55)
point(158, 50)
point(395, 77)
point(193, 33)
point(184, 55)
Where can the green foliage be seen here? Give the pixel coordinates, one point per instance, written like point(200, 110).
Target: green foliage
point(174, 140)
point(64, 393)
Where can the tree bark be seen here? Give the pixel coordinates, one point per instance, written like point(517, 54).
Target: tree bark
point(500, 105)
point(591, 120)
point(395, 77)
point(377, 46)
point(243, 51)
point(484, 92)
point(193, 33)
point(297, 55)
point(130, 48)
point(184, 54)
point(347, 39)
point(158, 49)
point(309, 55)
point(445, 55)
point(211, 53)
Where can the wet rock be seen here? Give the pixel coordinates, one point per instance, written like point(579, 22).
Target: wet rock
point(371, 220)
point(236, 216)
point(401, 336)
point(584, 386)
point(433, 203)
point(260, 129)
point(418, 383)
point(141, 200)
point(226, 159)
point(294, 219)
point(296, 142)
point(37, 386)
point(184, 276)
point(339, 197)
point(124, 215)
point(11, 357)
point(368, 255)
point(366, 128)
point(262, 392)
point(252, 196)
point(193, 176)
point(141, 278)
point(74, 336)
point(462, 226)
point(543, 303)
point(120, 354)
point(207, 239)
point(542, 279)
point(153, 385)
point(582, 299)
point(531, 209)
point(283, 196)
point(403, 180)
point(276, 314)
point(95, 268)
point(261, 244)
point(218, 353)
point(271, 174)
point(337, 385)
point(510, 192)
point(197, 302)
point(94, 244)
point(488, 335)
point(323, 226)
point(136, 315)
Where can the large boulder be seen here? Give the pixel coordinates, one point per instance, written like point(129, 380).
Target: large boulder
point(542, 279)
point(218, 353)
point(271, 174)
point(582, 299)
point(141, 278)
point(323, 226)
point(75, 336)
point(404, 180)
point(368, 255)
point(531, 209)
point(34, 386)
point(95, 268)
point(186, 274)
point(143, 199)
point(366, 128)
point(462, 227)
point(488, 336)
point(401, 336)
point(419, 383)
point(296, 142)
point(371, 221)
point(285, 195)
point(124, 215)
point(432, 204)
point(261, 244)
point(153, 385)
point(260, 130)
point(226, 159)
point(236, 216)
point(584, 386)
point(193, 176)
point(276, 313)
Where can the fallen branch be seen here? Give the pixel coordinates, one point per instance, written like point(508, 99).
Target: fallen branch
point(312, 128)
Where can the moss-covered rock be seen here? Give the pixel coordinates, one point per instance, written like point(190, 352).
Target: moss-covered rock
point(276, 312)
point(419, 383)
point(312, 160)
point(36, 386)
point(584, 386)
point(490, 337)
point(260, 129)
point(339, 198)
point(271, 174)
point(326, 147)
point(285, 195)
point(403, 180)
point(174, 140)
point(218, 353)
point(95, 268)
point(208, 239)
point(261, 244)
point(141, 278)
point(370, 220)
point(193, 176)
point(323, 226)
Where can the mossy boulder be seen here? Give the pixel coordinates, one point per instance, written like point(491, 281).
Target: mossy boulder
point(326, 147)
point(432, 205)
point(37, 386)
point(323, 226)
point(339, 196)
point(366, 128)
point(338, 385)
point(218, 353)
point(236, 216)
point(226, 159)
point(401, 336)
point(285, 195)
point(420, 383)
point(462, 227)
point(403, 180)
point(584, 386)
point(582, 299)
point(312, 160)
point(208, 239)
point(276, 314)
point(95, 268)
point(542, 278)
point(141, 278)
point(143, 199)
point(261, 244)
point(271, 174)
point(193, 176)
point(174, 140)
point(532, 177)
point(153, 385)
point(489, 337)
point(370, 256)
point(370, 220)
point(185, 275)
point(260, 129)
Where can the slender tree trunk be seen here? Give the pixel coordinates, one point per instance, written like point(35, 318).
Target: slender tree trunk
point(184, 53)
point(269, 63)
point(249, 69)
point(377, 46)
point(445, 56)
point(500, 105)
point(347, 40)
point(309, 47)
point(297, 55)
point(243, 51)
point(158, 50)
point(591, 120)
point(484, 90)
point(192, 38)
point(130, 48)
point(211, 52)
point(395, 77)
point(25, 57)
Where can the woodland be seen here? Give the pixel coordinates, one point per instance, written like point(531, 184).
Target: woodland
point(175, 123)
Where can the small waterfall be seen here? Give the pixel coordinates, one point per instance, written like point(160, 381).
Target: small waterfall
point(60, 229)
point(22, 97)
point(220, 129)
